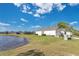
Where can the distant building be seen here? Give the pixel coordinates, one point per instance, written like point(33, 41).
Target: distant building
point(53, 31)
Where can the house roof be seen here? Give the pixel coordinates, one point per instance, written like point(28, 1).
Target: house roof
point(53, 28)
point(48, 28)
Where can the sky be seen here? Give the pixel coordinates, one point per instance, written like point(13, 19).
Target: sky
point(32, 16)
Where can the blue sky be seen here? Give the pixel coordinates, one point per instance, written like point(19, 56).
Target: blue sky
point(32, 16)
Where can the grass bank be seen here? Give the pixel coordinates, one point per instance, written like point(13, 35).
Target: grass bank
point(47, 44)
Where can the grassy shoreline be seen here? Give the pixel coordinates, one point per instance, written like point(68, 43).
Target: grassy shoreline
point(47, 44)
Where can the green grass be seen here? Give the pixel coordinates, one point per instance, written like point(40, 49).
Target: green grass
point(47, 44)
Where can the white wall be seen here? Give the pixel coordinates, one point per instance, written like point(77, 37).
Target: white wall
point(38, 32)
point(68, 33)
point(52, 32)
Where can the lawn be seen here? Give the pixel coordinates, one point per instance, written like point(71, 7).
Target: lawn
point(50, 46)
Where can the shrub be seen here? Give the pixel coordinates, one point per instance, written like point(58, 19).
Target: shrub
point(33, 52)
point(43, 34)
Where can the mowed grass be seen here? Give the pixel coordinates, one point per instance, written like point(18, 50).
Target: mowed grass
point(49, 45)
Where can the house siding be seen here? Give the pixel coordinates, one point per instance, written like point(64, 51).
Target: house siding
point(52, 32)
point(39, 33)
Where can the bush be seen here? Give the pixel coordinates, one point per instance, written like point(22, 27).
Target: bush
point(76, 33)
point(28, 32)
point(33, 52)
point(17, 32)
point(43, 34)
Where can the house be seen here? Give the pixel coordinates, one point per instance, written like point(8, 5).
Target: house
point(46, 31)
point(54, 31)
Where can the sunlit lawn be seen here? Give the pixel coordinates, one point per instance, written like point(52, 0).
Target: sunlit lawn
point(47, 44)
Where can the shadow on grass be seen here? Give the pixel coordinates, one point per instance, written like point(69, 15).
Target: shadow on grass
point(33, 52)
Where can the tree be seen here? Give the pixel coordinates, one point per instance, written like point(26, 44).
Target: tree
point(63, 25)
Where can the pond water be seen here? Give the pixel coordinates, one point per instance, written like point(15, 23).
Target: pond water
point(11, 42)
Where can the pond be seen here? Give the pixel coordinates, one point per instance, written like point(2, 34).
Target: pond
point(11, 42)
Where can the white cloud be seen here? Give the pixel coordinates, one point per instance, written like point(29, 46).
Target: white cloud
point(4, 24)
point(74, 22)
point(3, 28)
point(24, 10)
point(18, 4)
point(59, 6)
point(36, 15)
point(30, 12)
point(73, 4)
point(43, 8)
point(23, 20)
point(36, 26)
point(48, 7)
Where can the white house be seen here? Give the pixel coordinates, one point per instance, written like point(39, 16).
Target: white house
point(50, 32)
point(46, 31)
point(39, 33)
point(53, 31)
